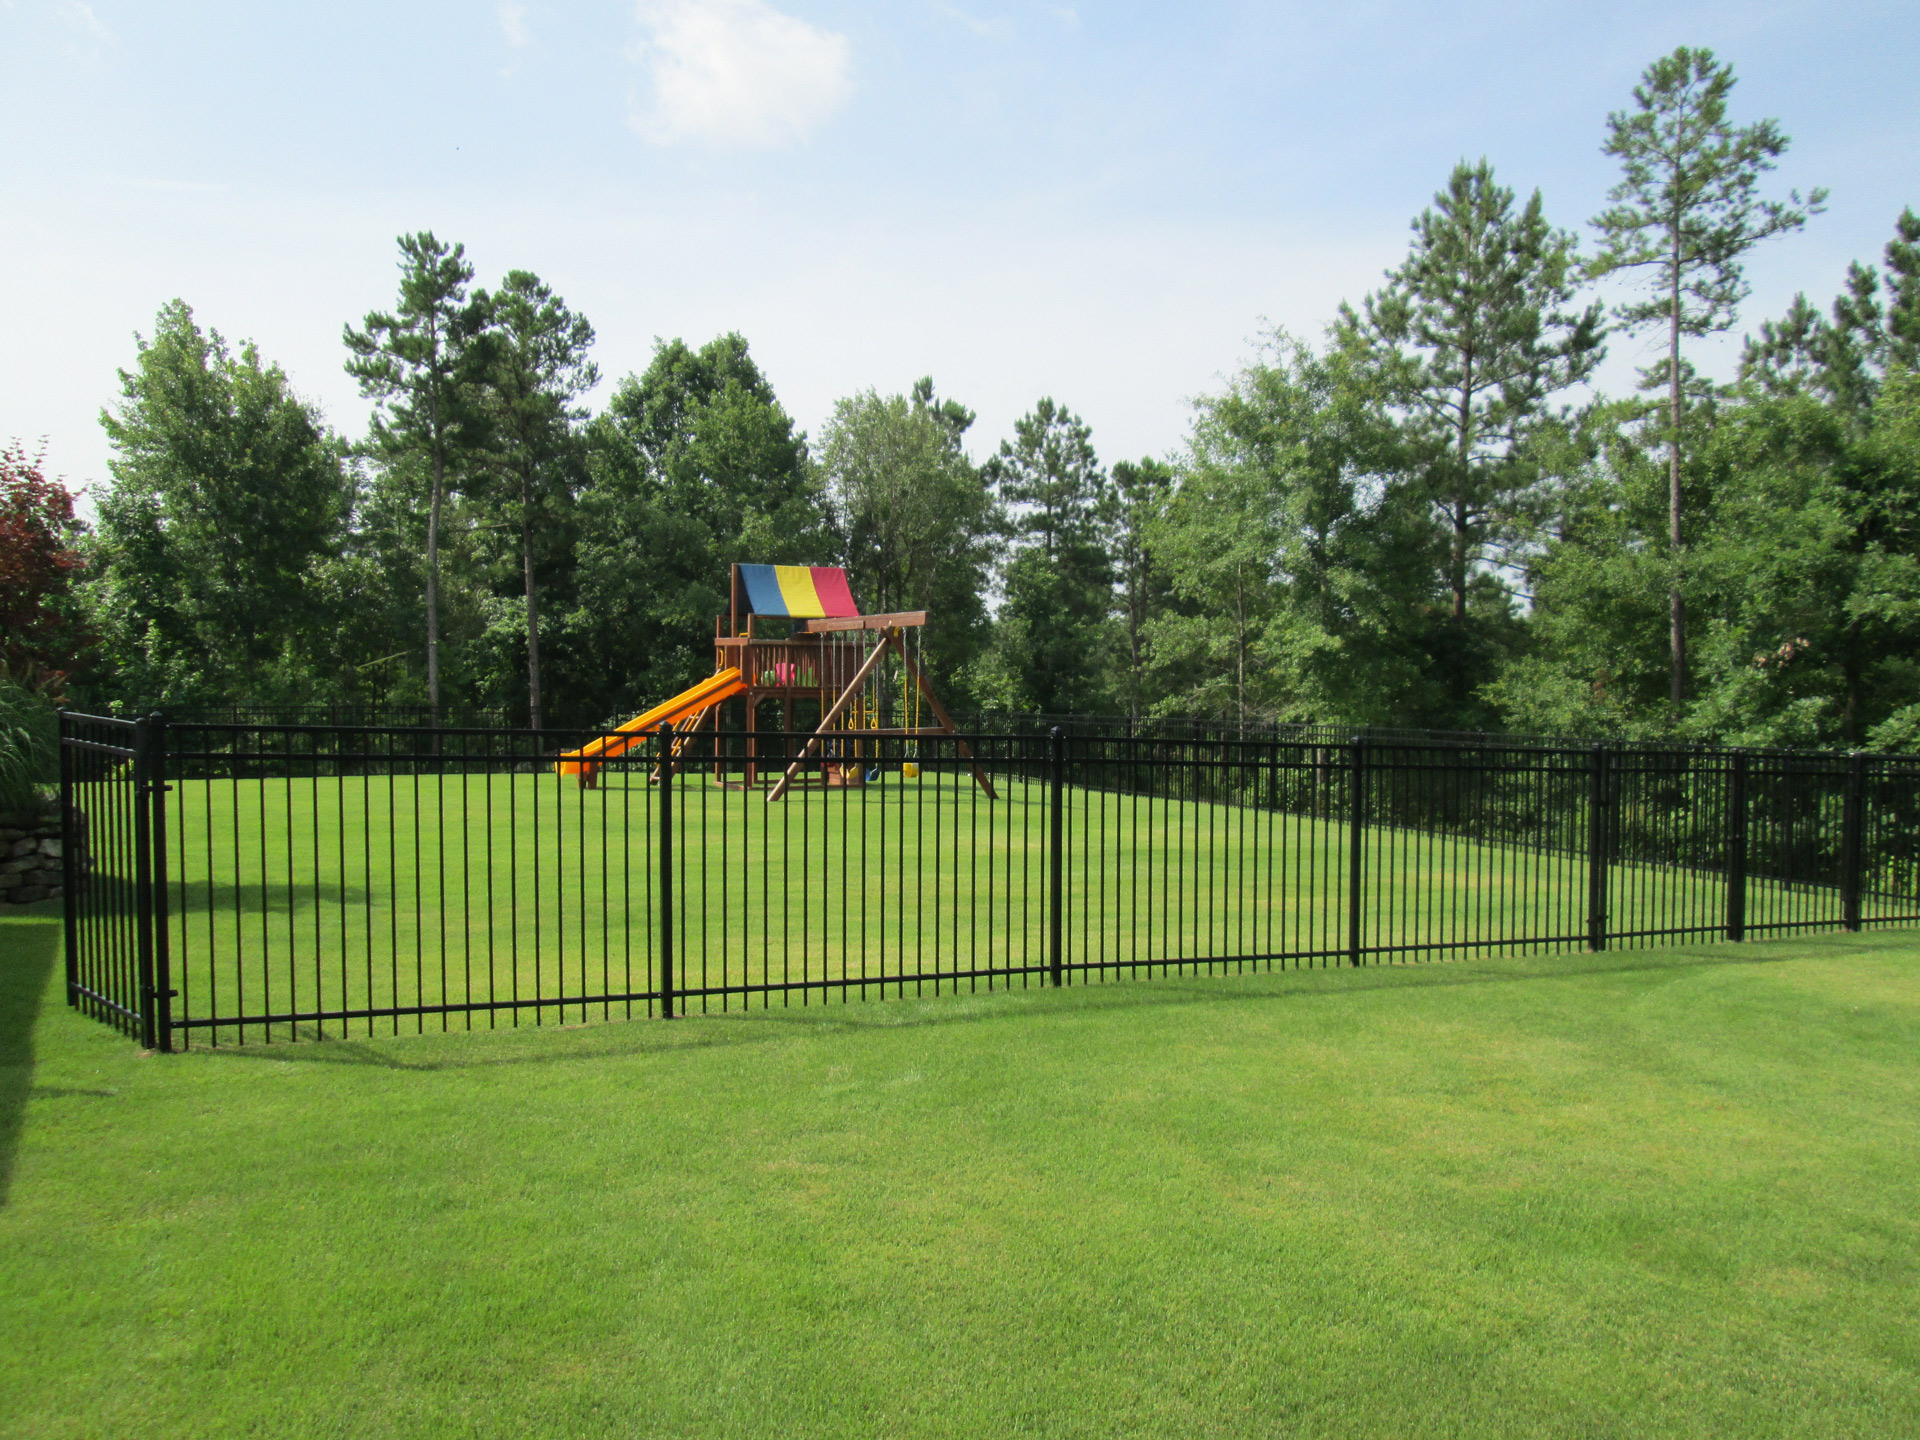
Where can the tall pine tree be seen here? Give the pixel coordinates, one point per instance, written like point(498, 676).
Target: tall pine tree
point(536, 370)
point(1472, 338)
point(1685, 212)
point(421, 364)
point(1055, 621)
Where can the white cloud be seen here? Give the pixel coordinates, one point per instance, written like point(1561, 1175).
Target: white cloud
point(79, 15)
point(737, 73)
point(513, 22)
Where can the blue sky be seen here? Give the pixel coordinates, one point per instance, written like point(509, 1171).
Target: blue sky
point(1105, 203)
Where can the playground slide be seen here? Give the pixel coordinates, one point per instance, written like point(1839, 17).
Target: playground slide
point(710, 691)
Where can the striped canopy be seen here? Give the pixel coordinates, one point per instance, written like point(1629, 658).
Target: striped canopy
point(804, 592)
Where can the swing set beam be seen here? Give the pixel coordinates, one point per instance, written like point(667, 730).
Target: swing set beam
point(893, 641)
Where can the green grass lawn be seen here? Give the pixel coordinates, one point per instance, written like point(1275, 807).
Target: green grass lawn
point(1667, 1192)
point(314, 894)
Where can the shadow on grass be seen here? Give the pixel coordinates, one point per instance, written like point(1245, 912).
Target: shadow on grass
point(27, 956)
point(614, 1039)
point(252, 898)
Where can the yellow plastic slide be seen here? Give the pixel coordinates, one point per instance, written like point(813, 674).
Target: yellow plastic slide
point(709, 692)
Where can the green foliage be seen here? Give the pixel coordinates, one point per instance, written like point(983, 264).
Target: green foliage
point(1143, 585)
point(1843, 359)
point(1471, 340)
point(1685, 212)
point(692, 466)
point(1409, 526)
point(229, 499)
point(1308, 575)
point(535, 369)
point(1803, 582)
point(1055, 634)
point(1686, 208)
point(915, 516)
point(42, 629)
point(29, 744)
point(422, 364)
point(1596, 660)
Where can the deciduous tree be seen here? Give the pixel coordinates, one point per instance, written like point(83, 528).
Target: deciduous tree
point(693, 465)
point(916, 517)
point(42, 634)
point(1141, 492)
point(228, 493)
point(1308, 575)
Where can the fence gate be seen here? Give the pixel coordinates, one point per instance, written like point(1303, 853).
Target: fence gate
point(113, 847)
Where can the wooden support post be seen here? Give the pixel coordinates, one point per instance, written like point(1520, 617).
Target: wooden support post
point(826, 721)
point(753, 749)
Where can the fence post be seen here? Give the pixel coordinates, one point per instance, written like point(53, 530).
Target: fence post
point(1852, 823)
point(143, 878)
point(156, 800)
point(69, 865)
point(1273, 770)
point(1356, 845)
point(1056, 901)
point(1737, 848)
point(1597, 858)
point(666, 872)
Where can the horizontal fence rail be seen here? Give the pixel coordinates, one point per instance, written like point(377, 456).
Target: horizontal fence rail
point(247, 882)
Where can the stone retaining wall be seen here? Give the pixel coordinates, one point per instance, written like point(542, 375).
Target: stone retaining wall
point(30, 867)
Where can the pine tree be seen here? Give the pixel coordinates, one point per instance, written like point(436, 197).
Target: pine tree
point(1875, 325)
point(1685, 212)
point(536, 370)
point(1058, 579)
point(421, 363)
point(1472, 338)
point(1141, 493)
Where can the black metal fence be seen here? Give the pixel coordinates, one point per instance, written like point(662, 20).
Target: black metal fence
point(113, 859)
point(267, 882)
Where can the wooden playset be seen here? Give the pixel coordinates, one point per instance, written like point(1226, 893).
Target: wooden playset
point(823, 656)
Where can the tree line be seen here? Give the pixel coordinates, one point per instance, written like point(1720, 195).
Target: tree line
point(1424, 517)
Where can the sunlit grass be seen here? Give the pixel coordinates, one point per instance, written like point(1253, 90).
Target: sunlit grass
point(1637, 1194)
point(297, 896)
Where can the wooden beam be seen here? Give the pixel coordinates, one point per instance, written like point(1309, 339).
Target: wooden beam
point(897, 731)
point(826, 720)
point(898, 620)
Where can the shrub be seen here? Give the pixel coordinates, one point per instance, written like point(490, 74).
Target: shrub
point(29, 745)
